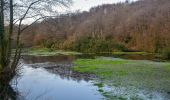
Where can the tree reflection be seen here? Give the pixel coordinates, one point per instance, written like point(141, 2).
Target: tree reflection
point(7, 92)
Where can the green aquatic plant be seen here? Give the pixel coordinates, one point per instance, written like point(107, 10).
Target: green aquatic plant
point(121, 72)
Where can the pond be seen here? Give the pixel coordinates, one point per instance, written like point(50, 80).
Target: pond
point(51, 78)
point(39, 84)
point(38, 81)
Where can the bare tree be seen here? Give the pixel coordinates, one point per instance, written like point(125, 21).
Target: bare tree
point(16, 13)
point(139, 26)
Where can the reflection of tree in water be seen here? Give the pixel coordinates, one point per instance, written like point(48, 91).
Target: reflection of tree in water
point(60, 65)
point(7, 92)
point(42, 59)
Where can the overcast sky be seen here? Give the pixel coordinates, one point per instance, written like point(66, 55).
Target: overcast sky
point(85, 5)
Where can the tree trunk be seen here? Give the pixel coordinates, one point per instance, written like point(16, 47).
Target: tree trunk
point(2, 31)
point(10, 32)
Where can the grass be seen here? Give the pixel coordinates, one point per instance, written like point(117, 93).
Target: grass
point(47, 52)
point(119, 72)
point(130, 53)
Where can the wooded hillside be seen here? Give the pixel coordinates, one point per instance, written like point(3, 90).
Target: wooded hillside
point(138, 26)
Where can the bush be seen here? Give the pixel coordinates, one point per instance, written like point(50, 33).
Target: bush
point(120, 47)
point(97, 45)
point(47, 44)
point(167, 53)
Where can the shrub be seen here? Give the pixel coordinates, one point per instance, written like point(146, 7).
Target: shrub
point(167, 53)
point(120, 47)
point(97, 45)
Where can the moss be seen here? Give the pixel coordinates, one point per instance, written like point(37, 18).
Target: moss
point(100, 85)
point(141, 74)
point(98, 66)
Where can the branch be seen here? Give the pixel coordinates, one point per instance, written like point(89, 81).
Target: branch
point(17, 20)
point(29, 7)
point(35, 22)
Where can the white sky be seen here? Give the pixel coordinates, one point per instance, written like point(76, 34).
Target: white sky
point(85, 5)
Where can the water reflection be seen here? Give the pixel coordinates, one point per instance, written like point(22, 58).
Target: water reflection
point(51, 78)
point(60, 65)
point(39, 84)
point(7, 93)
point(41, 59)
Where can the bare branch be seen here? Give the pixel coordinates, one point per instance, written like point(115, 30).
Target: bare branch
point(35, 22)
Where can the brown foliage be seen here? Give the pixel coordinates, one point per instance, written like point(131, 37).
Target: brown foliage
point(143, 25)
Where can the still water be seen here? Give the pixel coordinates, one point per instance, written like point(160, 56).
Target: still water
point(37, 83)
point(51, 78)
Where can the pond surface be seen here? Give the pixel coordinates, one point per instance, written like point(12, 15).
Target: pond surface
point(39, 84)
point(51, 78)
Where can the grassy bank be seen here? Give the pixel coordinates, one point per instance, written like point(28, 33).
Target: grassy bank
point(130, 53)
point(47, 52)
point(54, 52)
point(117, 72)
